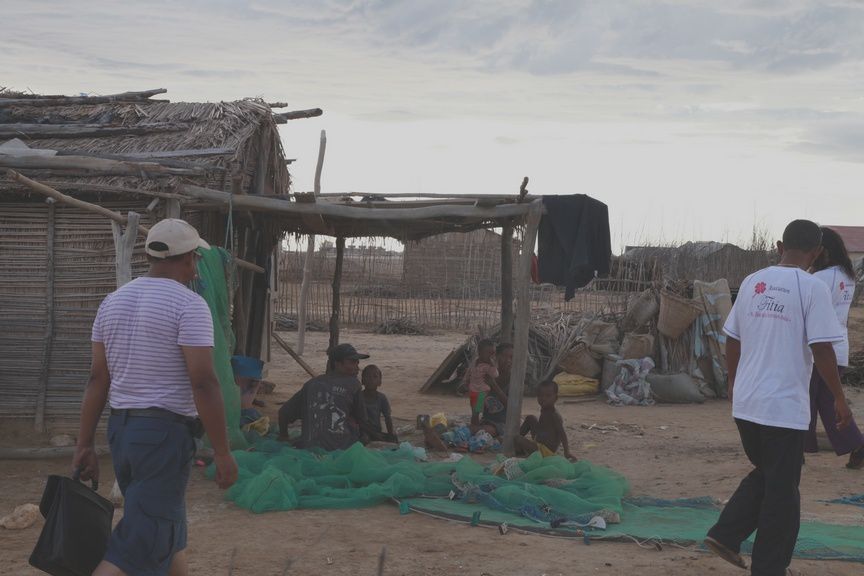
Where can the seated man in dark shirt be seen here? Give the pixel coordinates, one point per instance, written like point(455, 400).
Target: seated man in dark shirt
point(330, 406)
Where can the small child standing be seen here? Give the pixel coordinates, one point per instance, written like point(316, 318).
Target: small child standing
point(376, 405)
point(481, 378)
point(547, 431)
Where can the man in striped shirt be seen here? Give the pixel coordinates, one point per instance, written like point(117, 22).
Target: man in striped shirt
point(152, 361)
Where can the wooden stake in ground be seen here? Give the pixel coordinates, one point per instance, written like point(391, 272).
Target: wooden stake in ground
point(507, 284)
point(523, 323)
point(48, 346)
point(335, 311)
point(310, 254)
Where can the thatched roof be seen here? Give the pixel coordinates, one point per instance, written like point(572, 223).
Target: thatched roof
point(210, 144)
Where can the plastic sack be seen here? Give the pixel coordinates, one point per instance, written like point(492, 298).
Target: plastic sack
point(76, 531)
point(675, 389)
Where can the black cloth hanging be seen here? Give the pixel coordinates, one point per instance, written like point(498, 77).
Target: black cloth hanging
point(574, 243)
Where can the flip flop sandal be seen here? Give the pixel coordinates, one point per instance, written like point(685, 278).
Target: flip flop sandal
point(725, 553)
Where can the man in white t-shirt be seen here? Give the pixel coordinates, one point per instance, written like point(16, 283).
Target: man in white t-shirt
point(781, 324)
point(152, 361)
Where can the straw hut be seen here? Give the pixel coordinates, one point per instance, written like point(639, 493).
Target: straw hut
point(126, 153)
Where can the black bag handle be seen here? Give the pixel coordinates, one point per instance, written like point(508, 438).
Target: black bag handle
point(76, 475)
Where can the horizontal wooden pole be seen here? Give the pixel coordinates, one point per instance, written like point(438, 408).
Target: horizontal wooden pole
point(142, 96)
point(96, 164)
point(283, 117)
point(37, 131)
point(357, 211)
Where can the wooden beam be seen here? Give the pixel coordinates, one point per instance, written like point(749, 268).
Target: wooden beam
point(284, 117)
point(114, 216)
point(507, 284)
point(337, 287)
point(523, 324)
point(142, 96)
point(44, 131)
point(357, 212)
point(60, 197)
point(108, 189)
point(124, 245)
point(102, 165)
point(505, 197)
point(303, 364)
point(310, 255)
point(48, 344)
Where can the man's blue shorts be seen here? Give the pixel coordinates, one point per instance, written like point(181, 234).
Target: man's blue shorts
point(152, 460)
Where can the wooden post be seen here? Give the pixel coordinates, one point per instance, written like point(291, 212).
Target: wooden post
point(337, 283)
point(172, 208)
point(523, 324)
point(124, 244)
point(310, 254)
point(507, 283)
point(48, 343)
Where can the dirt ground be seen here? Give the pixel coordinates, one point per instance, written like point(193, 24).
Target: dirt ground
point(683, 451)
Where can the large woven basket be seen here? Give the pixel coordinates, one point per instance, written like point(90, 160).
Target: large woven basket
point(676, 314)
point(580, 361)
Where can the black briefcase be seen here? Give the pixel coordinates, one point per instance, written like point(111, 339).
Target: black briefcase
point(76, 531)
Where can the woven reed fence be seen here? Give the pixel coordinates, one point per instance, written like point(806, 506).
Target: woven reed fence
point(449, 282)
point(45, 336)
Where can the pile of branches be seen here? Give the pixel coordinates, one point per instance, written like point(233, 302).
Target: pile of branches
point(404, 326)
point(288, 323)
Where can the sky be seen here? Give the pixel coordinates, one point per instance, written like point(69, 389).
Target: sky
point(692, 120)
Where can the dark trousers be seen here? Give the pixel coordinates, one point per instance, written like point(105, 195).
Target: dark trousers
point(822, 403)
point(767, 500)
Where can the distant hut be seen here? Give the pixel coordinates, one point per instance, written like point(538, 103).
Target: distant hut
point(853, 237)
point(459, 265)
point(706, 261)
point(126, 152)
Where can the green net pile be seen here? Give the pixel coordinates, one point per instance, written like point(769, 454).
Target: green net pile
point(212, 285)
point(545, 495)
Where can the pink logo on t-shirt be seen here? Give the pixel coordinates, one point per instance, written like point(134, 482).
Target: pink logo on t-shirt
point(760, 288)
point(842, 286)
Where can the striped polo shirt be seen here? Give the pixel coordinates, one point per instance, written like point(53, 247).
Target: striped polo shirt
point(143, 325)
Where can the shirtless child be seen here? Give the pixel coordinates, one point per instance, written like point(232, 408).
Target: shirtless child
point(548, 430)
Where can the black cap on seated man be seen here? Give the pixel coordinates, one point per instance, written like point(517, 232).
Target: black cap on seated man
point(330, 405)
point(345, 360)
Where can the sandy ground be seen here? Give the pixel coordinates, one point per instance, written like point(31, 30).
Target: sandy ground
point(683, 451)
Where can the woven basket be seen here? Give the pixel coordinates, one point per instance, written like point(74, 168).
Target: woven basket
point(580, 361)
point(676, 314)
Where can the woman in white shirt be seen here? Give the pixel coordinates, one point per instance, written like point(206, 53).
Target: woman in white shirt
point(834, 267)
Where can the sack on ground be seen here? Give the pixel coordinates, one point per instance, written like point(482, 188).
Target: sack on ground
point(575, 385)
point(675, 389)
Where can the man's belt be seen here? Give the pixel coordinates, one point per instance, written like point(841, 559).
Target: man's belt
point(159, 413)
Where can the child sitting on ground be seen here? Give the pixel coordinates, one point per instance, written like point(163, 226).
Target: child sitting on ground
point(547, 431)
point(481, 378)
point(376, 405)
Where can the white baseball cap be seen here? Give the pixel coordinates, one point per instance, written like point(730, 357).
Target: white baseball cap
point(173, 237)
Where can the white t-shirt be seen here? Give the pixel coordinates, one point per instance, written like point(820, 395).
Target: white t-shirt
point(842, 289)
point(143, 325)
point(780, 311)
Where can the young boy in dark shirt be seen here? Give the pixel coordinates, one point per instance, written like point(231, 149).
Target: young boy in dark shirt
point(376, 405)
point(548, 430)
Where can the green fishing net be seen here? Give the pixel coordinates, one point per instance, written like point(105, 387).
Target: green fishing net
point(549, 496)
point(212, 285)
